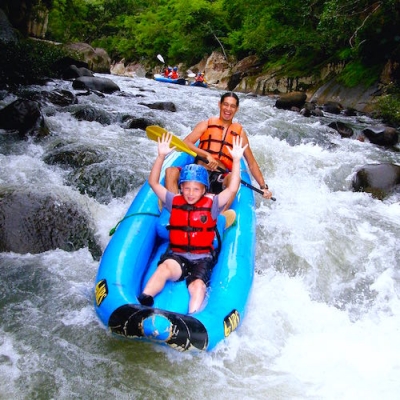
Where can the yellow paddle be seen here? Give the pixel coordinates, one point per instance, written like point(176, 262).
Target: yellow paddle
point(154, 132)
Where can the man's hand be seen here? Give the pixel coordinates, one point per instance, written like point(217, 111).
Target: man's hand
point(267, 194)
point(212, 163)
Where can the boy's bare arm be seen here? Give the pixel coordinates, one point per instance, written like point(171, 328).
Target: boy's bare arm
point(154, 177)
point(236, 153)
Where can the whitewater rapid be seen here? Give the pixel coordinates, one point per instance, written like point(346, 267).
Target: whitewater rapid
point(323, 319)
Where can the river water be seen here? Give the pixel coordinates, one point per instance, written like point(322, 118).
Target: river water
point(323, 319)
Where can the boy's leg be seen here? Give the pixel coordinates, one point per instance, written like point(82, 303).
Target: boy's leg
point(168, 270)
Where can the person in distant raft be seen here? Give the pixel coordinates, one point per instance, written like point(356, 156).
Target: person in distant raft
point(216, 136)
point(174, 74)
point(200, 77)
point(167, 72)
point(190, 254)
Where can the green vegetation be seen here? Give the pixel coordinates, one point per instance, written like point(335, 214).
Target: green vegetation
point(301, 34)
point(295, 37)
point(28, 61)
point(389, 106)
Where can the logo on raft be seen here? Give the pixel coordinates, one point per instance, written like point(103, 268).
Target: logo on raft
point(101, 291)
point(231, 322)
point(179, 331)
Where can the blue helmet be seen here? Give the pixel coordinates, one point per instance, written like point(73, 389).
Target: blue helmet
point(194, 172)
point(175, 68)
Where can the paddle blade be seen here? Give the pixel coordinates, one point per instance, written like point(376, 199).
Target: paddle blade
point(154, 132)
point(160, 57)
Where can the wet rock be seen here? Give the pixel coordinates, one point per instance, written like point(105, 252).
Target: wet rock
point(57, 97)
point(378, 179)
point(344, 130)
point(305, 112)
point(103, 85)
point(73, 156)
point(96, 58)
point(63, 64)
point(72, 72)
point(332, 107)
point(7, 32)
point(350, 112)
point(382, 136)
point(106, 181)
point(25, 117)
point(161, 105)
point(37, 222)
point(289, 100)
point(88, 113)
point(138, 123)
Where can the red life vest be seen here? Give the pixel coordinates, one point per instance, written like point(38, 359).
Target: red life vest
point(191, 226)
point(216, 140)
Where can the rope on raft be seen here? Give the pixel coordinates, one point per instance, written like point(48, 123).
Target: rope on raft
point(112, 231)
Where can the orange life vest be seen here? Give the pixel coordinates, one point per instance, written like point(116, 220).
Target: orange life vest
point(216, 140)
point(174, 75)
point(191, 226)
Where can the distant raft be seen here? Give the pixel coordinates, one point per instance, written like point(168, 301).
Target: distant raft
point(131, 257)
point(161, 78)
point(199, 84)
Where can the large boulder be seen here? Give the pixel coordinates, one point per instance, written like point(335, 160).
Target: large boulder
point(7, 32)
point(62, 66)
point(332, 107)
point(161, 105)
point(382, 135)
point(128, 69)
point(378, 179)
point(249, 66)
point(344, 130)
point(97, 59)
point(103, 85)
point(290, 100)
point(34, 222)
point(217, 70)
point(24, 116)
point(72, 72)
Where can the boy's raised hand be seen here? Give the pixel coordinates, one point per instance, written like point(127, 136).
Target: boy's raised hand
point(164, 143)
point(237, 149)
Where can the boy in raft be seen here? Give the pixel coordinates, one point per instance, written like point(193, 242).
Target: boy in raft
point(193, 207)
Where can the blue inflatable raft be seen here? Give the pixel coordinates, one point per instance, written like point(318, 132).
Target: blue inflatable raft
point(131, 257)
point(199, 84)
point(161, 78)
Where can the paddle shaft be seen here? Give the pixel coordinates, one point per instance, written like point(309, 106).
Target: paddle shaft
point(155, 132)
point(241, 181)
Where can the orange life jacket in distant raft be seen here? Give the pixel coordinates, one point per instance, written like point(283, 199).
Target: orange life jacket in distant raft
point(191, 226)
point(216, 140)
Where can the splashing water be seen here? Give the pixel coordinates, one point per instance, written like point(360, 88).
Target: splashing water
point(323, 319)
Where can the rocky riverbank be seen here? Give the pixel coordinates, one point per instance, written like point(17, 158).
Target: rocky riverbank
point(248, 76)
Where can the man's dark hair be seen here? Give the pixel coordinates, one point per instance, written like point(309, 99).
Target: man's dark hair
point(230, 94)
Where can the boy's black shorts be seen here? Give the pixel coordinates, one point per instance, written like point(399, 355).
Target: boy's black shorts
point(191, 269)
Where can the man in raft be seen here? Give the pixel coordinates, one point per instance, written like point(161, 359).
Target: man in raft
point(190, 255)
point(215, 136)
